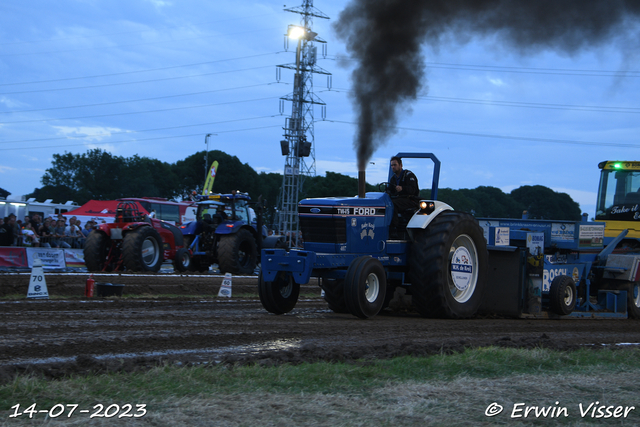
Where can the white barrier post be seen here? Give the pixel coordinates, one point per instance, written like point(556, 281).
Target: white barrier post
point(37, 282)
point(225, 288)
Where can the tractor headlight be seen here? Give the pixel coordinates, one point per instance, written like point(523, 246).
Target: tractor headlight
point(427, 207)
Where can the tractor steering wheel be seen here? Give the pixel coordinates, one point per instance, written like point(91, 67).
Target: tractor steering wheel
point(387, 187)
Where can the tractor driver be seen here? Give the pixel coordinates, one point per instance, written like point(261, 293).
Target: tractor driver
point(403, 189)
point(221, 213)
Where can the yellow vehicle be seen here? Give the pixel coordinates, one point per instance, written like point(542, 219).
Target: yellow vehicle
point(618, 203)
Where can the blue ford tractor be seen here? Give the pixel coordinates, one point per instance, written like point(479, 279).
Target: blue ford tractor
point(349, 244)
point(227, 232)
point(451, 265)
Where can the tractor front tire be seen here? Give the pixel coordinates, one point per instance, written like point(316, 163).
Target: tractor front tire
point(237, 253)
point(365, 287)
point(182, 260)
point(448, 267)
point(562, 295)
point(96, 249)
point(279, 296)
point(142, 250)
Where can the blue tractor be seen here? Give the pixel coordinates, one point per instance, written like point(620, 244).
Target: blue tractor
point(350, 246)
point(227, 232)
point(450, 263)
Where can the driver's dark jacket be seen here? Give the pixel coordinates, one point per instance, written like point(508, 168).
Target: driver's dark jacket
point(407, 181)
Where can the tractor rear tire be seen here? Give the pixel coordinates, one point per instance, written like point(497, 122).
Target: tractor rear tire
point(448, 267)
point(142, 250)
point(365, 287)
point(182, 260)
point(279, 296)
point(237, 253)
point(562, 295)
point(96, 249)
point(334, 295)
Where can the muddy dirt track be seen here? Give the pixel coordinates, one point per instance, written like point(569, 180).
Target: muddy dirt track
point(71, 334)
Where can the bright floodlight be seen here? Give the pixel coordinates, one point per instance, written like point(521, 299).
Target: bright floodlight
point(296, 32)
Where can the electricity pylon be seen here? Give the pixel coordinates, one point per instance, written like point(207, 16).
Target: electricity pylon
point(298, 147)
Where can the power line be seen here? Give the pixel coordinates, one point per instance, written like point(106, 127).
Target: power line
point(139, 100)
point(136, 112)
point(132, 31)
point(518, 138)
point(135, 140)
point(524, 70)
point(549, 106)
point(534, 105)
point(531, 69)
point(141, 71)
point(101, 135)
point(139, 81)
point(560, 73)
point(130, 45)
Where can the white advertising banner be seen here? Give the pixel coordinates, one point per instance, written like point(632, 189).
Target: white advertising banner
point(50, 257)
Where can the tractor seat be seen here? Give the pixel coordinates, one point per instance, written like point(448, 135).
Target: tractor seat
point(632, 198)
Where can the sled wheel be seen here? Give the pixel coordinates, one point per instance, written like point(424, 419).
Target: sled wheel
point(365, 287)
point(562, 295)
point(142, 250)
point(96, 249)
point(448, 266)
point(182, 260)
point(237, 253)
point(279, 296)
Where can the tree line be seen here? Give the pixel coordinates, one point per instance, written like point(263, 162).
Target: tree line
point(99, 175)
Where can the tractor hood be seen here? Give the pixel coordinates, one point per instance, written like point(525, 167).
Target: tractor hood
point(373, 204)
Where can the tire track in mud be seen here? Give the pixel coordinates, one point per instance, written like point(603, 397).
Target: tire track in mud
point(61, 337)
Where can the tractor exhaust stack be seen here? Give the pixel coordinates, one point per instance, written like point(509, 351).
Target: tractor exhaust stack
point(362, 184)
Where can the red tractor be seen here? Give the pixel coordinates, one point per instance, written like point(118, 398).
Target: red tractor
point(133, 242)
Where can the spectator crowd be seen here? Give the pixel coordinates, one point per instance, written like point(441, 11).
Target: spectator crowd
point(51, 232)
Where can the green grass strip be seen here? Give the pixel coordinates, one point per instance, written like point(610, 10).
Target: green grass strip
point(323, 378)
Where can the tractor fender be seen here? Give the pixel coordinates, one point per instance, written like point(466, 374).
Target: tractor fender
point(191, 228)
point(421, 219)
point(134, 226)
point(103, 228)
point(178, 237)
point(232, 227)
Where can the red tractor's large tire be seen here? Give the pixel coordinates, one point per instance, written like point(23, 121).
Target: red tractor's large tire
point(237, 253)
point(448, 266)
point(96, 249)
point(142, 250)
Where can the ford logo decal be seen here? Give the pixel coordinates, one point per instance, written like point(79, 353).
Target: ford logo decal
point(315, 210)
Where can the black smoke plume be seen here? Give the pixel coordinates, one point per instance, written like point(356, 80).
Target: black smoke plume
point(385, 37)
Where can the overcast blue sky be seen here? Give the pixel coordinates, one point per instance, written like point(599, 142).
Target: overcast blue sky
point(153, 77)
